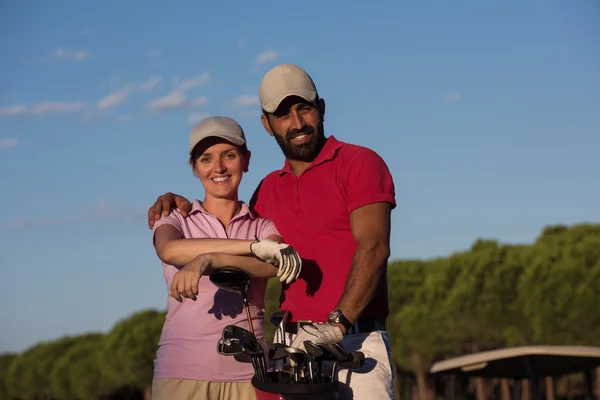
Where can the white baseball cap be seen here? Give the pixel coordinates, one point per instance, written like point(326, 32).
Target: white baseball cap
point(282, 81)
point(222, 127)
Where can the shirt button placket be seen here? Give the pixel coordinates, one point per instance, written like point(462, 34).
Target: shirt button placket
point(297, 193)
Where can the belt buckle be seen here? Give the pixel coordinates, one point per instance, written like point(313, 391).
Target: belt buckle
point(301, 322)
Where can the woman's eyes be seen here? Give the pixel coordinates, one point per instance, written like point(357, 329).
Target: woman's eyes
point(228, 156)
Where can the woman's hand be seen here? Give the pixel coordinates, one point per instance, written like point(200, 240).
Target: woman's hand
point(185, 281)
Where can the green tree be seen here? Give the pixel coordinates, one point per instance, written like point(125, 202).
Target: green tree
point(76, 373)
point(559, 290)
point(129, 349)
point(28, 374)
point(6, 360)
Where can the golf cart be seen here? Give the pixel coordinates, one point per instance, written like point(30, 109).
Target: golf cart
point(527, 362)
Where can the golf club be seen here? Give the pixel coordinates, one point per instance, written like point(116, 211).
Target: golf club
point(227, 347)
point(233, 331)
point(328, 355)
point(234, 280)
point(315, 353)
point(355, 360)
point(252, 348)
point(297, 357)
point(279, 319)
point(339, 355)
point(277, 351)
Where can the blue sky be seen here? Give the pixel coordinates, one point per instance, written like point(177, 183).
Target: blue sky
point(487, 114)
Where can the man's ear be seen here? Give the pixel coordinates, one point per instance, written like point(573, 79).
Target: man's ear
point(265, 123)
point(321, 106)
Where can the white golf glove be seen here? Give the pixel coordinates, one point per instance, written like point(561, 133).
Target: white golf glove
point(319, 333)
point(282, 255)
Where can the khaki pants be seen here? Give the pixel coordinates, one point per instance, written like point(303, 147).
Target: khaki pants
point(187, 389)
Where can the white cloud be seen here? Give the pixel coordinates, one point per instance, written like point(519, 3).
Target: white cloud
point(174, 99)
point(199, 102)
point(266, 56)
point(120, 96)
point(68, 54)
point(196, 117)
point(452, 97)
point(7, 143)
point(193, 82)
point(177, 98)
point(49, 107)
point(150, 83)
point(13, 111)
point(45, 107)
point(246, 101)
point(114, 99)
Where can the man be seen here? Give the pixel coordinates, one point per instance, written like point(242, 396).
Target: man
point(332, 202)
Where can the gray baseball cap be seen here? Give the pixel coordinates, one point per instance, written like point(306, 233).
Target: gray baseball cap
point(283, 81)
point(222, 127)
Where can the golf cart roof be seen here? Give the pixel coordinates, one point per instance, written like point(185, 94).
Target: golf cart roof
point(516, 362)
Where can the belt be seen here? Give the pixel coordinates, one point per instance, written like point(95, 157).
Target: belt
point(362, 325)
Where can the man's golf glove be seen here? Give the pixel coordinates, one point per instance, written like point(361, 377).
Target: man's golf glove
point(283, 256)
point(320, 333)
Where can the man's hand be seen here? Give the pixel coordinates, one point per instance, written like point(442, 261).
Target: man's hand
point(164, 204)
point(320, 333)
point(282, 255)
point(185, 281)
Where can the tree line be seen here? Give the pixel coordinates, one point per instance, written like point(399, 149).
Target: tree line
point(490, 296)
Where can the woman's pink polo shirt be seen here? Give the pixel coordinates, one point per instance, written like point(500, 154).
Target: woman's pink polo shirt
point(188, 343)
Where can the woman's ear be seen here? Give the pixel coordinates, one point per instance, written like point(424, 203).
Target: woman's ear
point(193, 165)
point(247, 165)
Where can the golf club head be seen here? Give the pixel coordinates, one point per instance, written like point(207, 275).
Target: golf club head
point(277, 352)
point(251, 347)
point(337, 351)
point(279, 319)
point(237, 332)
point(354, 360)
point(229, 347)
point(313, 350)
point(280, 316)
point(231, 280)
point(298, 356)
point(327, 355)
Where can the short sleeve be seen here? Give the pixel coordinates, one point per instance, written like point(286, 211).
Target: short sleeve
point(266, 229)
point(174, 219)
point(368, 180)
point(255, 203)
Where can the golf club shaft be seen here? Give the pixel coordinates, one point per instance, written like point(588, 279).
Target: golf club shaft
point(247, 307)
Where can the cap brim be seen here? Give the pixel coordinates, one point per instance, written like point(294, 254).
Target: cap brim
point(307, 94)
point(232, 139)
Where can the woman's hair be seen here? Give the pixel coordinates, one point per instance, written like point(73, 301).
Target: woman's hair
point(194, 156)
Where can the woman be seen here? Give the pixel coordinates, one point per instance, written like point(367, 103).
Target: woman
point(219, 231)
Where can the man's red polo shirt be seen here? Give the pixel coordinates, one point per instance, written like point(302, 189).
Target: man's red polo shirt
point(312, 213)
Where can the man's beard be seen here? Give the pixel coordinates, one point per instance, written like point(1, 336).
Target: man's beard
point(303, 152)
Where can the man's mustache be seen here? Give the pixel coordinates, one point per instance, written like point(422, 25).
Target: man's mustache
point(308, 130)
